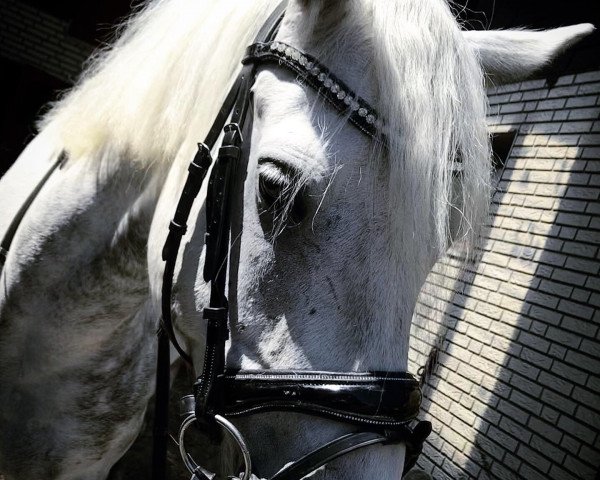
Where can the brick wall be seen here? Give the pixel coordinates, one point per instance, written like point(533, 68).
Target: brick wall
point(32, 37)
point(516, 390)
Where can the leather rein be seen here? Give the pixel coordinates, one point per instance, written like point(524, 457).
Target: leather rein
point(380, 404)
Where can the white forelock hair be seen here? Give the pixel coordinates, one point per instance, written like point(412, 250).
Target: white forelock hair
point(431, 97)
point(431, 90)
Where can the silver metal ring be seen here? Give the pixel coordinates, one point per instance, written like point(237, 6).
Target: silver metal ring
point(193, 467)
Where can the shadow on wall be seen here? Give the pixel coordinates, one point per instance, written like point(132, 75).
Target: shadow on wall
point(516, 392)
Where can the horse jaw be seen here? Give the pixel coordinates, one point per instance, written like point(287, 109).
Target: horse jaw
point(512, 55)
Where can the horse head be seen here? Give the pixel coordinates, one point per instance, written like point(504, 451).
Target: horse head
point(333, 232)
point(334, 224)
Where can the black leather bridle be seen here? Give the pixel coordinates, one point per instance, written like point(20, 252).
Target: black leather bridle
point(380, 404)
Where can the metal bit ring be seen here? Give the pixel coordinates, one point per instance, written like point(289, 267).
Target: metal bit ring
point(194, 468)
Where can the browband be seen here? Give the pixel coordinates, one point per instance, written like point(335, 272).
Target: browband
point(318, 76)
point(376, 399)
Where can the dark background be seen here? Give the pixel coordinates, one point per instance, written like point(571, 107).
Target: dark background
point(27, 89)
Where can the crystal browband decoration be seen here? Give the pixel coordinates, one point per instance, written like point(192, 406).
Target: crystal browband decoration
point(361, 114)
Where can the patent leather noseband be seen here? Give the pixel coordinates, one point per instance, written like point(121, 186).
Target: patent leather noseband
point(380, 404)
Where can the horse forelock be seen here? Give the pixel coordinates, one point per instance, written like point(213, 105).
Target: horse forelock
point(429, 89)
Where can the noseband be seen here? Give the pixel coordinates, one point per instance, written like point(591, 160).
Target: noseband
point(380, 404)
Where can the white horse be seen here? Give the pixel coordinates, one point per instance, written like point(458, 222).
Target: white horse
point(327, 283)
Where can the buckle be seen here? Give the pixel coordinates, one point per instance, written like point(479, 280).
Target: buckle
point(234, 127)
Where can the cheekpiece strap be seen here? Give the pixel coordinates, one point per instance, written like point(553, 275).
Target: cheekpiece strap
point(317, 76)
point(376, 399)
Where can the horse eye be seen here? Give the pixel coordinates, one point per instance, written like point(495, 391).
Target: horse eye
point(280, 196)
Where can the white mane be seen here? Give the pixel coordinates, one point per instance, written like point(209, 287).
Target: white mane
point(162, 81)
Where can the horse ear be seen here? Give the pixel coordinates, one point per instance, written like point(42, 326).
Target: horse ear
point(513, 55)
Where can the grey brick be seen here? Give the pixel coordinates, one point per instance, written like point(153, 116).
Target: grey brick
point(589, 88)
point(533, 458)
point(580, 295)
point(439, 474)
point(534, 95)
point(540, 298)
point(563, 91)
point(573, 219)
point(560, 402)
point(560, 115)
point(544, 314)
point(526, 385)
point(523, 368)
point(512, 118)
point(579, 468)
point(590, 139)
point(555, 383)
point(549, 127)
point(557, 351)
point(502, 438)
point(454, 471)
point(556, 103)
point(580, 249)
point(582, 101)
point(513, 412)
point(531, 84)
point(589, 236)
point(584, 193)
point(511, 108)
point(576, 309)
point(536, 358)
point(587, 77)
point(570, 373)
point(565, 80)
point(555, 454)
point(533, 341)
point(593, 165)
point(557, 473)
point(571, 205)
point(595, 300)
point(550, 415)
point(584, 114)
point(593, 283)
point(580, 327)
point(576, 127)
point(584, 362)
point(570, 444)
point(589, 455)
point(515, 429)
point(526, 402)
point(592, 153)
point(564, 338)
point(591, 418)
point(498, 471)
point(556, 288)
point(591, 347)
point(546, 430)
point(581, 265)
